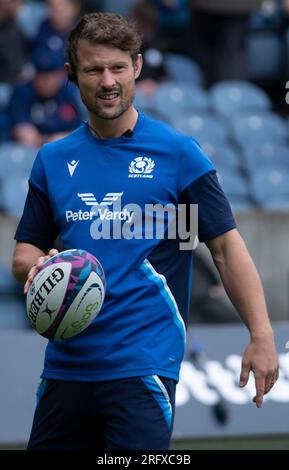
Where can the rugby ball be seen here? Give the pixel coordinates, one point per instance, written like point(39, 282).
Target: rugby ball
point(66, 294)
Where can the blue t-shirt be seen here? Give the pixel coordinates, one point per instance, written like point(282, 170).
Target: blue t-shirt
point(79, 180)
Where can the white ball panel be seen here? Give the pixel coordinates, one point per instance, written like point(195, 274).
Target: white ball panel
point(84, 308)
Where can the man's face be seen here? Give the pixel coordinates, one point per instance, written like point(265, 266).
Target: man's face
point(47, 84)
point(106, 78)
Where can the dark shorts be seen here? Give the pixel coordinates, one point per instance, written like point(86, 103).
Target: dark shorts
point(134, 413)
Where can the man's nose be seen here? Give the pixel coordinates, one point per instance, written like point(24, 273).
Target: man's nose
point(107, 79)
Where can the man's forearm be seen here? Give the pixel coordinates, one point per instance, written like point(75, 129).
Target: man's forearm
point(242, 283)
point(25, 256)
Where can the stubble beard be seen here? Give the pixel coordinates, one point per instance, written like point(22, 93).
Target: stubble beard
point(99, 112)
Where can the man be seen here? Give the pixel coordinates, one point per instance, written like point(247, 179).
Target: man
point(113, 385)
point(12, 65)
point(44, 110)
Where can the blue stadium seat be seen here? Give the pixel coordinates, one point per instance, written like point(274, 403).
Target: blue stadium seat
point(16, 159)
point(170, 97)
point(230, 96)
point(265, 54)
point(226, 157)
point(262, 153)
point(13, 193)
point(258, 125)
point(236, 188)
point(143, 100)
point(271, 189)
point(287, 118)
point(12, 304)
point(205, 127)
point(181, 68)
point(145, 104)
point(153, 113)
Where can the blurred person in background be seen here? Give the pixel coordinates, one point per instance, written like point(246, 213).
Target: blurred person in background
point(219, 31)
point(175, 24)
point(13, 48)
point(44, 109)
point(144, 14)
point(62, 17)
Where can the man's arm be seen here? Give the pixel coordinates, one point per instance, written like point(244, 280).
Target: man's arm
point(243, 286)
point(27, 261)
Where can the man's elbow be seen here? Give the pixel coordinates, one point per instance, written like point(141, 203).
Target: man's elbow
point(224, 245)
point(17, 271)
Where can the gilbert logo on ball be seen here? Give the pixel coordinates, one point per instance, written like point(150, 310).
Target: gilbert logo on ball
point(66, 295)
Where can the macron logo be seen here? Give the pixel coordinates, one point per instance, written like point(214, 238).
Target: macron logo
point(72, 166)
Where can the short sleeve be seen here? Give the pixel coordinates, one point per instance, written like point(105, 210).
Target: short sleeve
point(37, 225)
point(38, 177)
point(214, 212)
point(193, 163)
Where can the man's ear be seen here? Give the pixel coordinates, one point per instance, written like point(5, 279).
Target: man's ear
point(70, 74)
point(138, 66)
point(67, 68)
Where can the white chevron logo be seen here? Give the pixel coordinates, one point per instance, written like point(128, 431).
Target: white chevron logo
point(108, 200)
point(72, 166)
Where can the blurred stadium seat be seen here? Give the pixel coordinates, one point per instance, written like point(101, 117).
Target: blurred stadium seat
point(143, 100)
point(226, 157)
point(271, 188)
point(154, 113)
point(146, 106)
point(16, 159)
point(260, 153)
point(204, 126)
point(170, 97)
point(237, 189)
point(181, 68)
point(13, 193)
point(12, 306)
point(265, 55)
point(230, 96)
point(258, 125)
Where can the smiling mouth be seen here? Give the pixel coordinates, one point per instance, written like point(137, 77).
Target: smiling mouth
point(108, 96)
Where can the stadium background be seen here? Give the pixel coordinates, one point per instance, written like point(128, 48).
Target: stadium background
point(216, 70)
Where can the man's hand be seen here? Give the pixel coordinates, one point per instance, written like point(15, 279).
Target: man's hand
point(27, 134)
point(36, 268)
point(261, 358)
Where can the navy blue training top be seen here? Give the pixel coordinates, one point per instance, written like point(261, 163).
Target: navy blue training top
point(60, 113)
point(90, 190)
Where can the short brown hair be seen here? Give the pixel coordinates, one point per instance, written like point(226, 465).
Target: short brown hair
point(103, 28)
